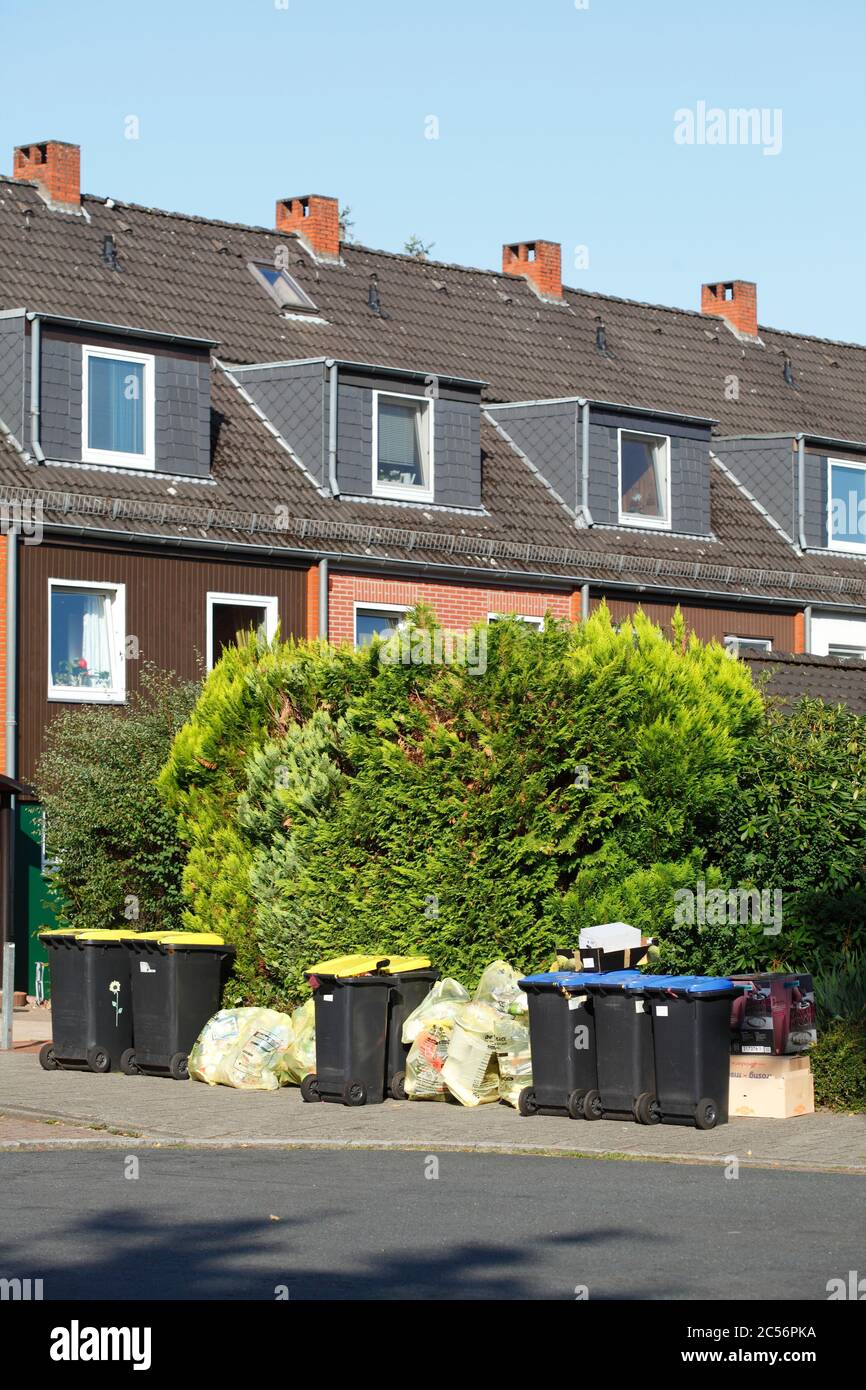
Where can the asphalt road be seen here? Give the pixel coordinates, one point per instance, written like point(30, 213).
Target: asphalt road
point(373, 1225)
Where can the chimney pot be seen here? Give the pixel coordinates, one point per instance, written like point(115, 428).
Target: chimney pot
point(55, 166)
point(539, 262)
point(316, 219)
point(735, 301)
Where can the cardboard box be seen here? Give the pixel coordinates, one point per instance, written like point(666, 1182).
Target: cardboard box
point(776, 1017)
point(771, 1088)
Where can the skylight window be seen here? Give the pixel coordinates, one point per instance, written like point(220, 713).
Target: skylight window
point(283, 289)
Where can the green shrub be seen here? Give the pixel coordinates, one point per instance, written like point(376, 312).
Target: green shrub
point(334, 800)
point(115, 842)
point(839, 1066)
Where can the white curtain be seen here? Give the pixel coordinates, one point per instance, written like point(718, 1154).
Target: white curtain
point(95, 637)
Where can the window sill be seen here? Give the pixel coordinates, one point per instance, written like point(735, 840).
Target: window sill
point(80, 696)
point(384, 493)
point(143, 462)
point(847, 548)
point(644, 523)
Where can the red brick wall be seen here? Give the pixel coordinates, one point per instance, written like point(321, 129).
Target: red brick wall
point(313, 601)
point(456, 606)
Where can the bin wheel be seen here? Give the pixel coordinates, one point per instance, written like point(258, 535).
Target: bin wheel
point(646, 1109)
point(128, 1064)
point(592, 1106)
point(398, 1086)
point(706, 1114)
point(310, 1088)
point(178, 1069)
point(48, 1058)
point(354, 1093)
point(574, 1104)
point(526, 1102)
point(98, 1059)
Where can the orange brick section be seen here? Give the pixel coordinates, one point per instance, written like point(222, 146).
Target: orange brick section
point(741, 310)
point(4, 638)
point(55, 166)
point(456, 606)
point(316, 218)
point(799, 632)
point(313, 601)
point(538, 261)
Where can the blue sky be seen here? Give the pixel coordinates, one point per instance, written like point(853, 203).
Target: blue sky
point(554, 121)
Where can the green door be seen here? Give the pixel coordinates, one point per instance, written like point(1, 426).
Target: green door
point(34, 896)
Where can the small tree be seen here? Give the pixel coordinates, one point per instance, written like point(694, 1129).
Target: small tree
point(118, 856)
point(419, 249)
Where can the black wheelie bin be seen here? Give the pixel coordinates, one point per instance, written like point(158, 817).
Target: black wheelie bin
point(361, 1003)
point(624, 1051)
point(691, 1035)
point(177, 984)
point(562, 1043)
point(91, 1008)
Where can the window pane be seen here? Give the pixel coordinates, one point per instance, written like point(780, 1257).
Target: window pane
point(115, 405)
point(848, 504)
point(81, 639)
point(369, 623)
point(643, 487)
point(401, 447)
point(233, 620)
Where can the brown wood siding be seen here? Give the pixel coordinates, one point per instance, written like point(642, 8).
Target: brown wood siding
point(165, 609)
point(709, 623)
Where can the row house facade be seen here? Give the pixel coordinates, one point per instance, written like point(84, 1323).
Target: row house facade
point(206, 426)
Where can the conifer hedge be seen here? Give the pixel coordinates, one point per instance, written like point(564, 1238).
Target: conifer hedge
point(334, 800)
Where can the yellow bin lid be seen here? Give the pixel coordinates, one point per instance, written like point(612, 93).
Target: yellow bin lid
point(187, 938)
point(342, 966)
point(58, 931)
point(398, 964)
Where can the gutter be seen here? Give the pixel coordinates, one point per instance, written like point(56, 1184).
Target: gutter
point(333, 371)
point(531, 578)
point(35, 386)
point(801, 491)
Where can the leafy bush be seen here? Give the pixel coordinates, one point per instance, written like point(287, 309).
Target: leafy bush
point(839, 1065)
point(334, 800)
point(798, 823)
point(115, 841)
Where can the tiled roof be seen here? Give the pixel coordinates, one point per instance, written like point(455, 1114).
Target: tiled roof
point(188, 276)
point(832, 679)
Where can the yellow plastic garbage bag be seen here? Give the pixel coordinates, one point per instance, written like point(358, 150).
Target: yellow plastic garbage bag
point(242, 1048)
point(471, 1070)
point(514, 1056)
point(444, 1001)
point(427, 1031)
point(299, 1059)
point(500, 986)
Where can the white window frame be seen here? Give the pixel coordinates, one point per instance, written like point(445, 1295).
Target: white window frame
point(115, 458)
point(88, 695)
point(852, 547)
point(402, 491)
point(270, 603)
point(653, 523)
point(359, 606)
point(757, 645)
point(846, 653)
point(531, 620)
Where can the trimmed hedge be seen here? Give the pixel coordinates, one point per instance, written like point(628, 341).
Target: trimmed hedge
point(839, 1065)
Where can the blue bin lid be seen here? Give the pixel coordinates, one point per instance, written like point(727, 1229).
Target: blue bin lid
point(580, 979)
point(682, 984)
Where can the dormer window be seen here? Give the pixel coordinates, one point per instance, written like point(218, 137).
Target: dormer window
point(283, 289)
point(846, 493)
point(644, 479)
point(402, 446)
point(117, 408)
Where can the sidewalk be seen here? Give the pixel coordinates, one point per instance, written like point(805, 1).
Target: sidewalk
point(153, 1110)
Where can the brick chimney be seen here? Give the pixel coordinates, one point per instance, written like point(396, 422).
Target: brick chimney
point(733, 300)
point(317, 220)
point(55, 167)
point(539, 262)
